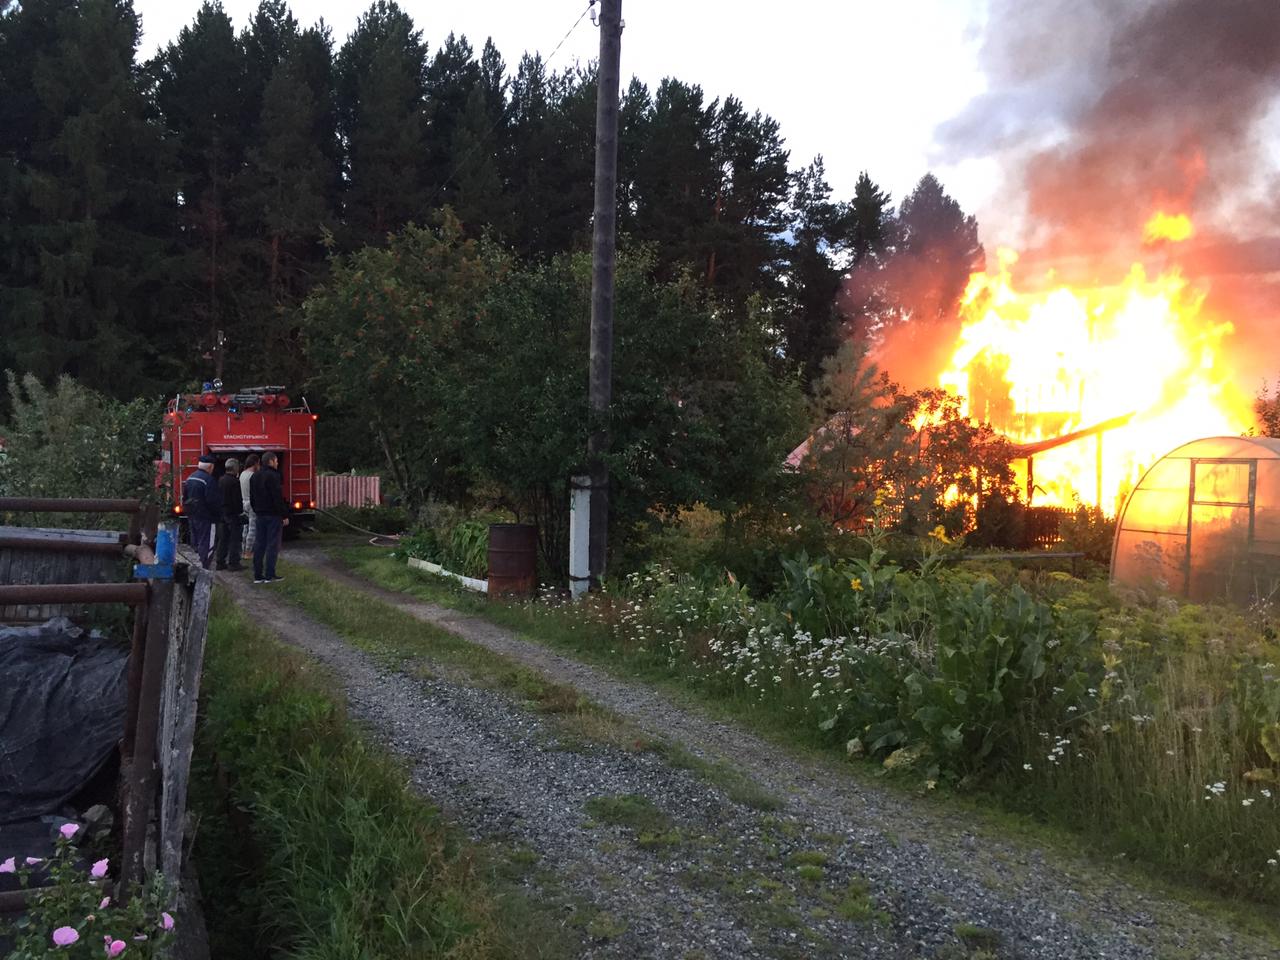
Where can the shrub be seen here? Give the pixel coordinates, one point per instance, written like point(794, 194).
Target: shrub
point(70, 441)
point(71, 917)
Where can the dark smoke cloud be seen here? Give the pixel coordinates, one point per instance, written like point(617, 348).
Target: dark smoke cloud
point(1105, 111)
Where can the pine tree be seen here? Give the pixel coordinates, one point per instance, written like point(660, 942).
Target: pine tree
point(674, 183)
point(285, 193)
point(201, 96)
point(633, 132)
point(451, 78)
point(271, 38)
point(381, 109)
point(552, 158)
point(813, 277)
point(83, 280)
point(477, 194)
point(746, 214)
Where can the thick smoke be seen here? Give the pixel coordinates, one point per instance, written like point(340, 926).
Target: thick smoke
point(1105, 111)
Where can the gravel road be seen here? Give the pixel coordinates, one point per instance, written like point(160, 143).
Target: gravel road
point(844, 868)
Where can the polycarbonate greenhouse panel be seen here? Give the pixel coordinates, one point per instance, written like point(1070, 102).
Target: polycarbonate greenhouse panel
point(1205, 522)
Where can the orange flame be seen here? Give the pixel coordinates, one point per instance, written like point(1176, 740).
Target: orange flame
point(1039, 366)
point(1171, 227)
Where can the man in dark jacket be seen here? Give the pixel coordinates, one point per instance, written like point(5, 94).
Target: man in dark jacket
point(231, 526)
point(270, 512)
point(202, 504)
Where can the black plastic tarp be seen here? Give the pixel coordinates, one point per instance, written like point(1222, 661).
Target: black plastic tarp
point(62, 707)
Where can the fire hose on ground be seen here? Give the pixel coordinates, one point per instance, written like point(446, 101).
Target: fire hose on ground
point(391, 538)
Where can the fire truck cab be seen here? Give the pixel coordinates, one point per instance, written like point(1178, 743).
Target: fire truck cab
point(225, 424)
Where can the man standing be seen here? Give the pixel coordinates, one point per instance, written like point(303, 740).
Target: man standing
point(202, 503)
point(270, 510)
point(246, 475)
point(231, 526)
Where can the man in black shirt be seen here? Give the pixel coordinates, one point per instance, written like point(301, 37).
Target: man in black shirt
point(270, 512)
point(231, 526)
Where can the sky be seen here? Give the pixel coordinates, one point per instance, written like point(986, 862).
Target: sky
point(865, 83)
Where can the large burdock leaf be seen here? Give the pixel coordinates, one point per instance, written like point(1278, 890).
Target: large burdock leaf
point(1271, 741)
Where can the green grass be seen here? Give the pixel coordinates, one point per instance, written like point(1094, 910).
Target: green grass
point(1139, 855)
point(736, 785)
point(855, 904)
point(629, 810)
point(977, 938)
point(309, 844)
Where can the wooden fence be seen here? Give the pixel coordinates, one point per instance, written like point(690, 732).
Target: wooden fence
point(48, 569)
point(345, 490)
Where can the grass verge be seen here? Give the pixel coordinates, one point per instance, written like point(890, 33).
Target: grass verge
point(309, 844)
point(403, 642)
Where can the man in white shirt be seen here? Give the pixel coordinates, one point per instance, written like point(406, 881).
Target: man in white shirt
point(251, 466)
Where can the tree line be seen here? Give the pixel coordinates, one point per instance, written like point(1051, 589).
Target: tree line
point(159, 216)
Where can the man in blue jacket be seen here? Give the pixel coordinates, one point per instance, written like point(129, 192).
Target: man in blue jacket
point(202, 504)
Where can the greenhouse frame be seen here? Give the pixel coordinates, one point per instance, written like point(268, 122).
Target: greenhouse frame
point(1204, 522)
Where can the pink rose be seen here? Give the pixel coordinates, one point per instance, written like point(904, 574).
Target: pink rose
point(106, 902)
point(166, 921)
point(69, 830)
point(32, 861)
point(9, 866)
point(115, 948)
point(65, 936)
point(99, 869)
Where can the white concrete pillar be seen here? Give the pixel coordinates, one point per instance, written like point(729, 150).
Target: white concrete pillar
point(579, 535)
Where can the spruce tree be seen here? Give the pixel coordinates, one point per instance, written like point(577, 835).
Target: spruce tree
point(941, 244)
point(381, 109)
point(868, 220)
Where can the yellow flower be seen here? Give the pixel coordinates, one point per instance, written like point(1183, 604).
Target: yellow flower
point(939, 533)
point(855, 583)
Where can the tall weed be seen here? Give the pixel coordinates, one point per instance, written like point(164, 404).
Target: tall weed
point(324, 854)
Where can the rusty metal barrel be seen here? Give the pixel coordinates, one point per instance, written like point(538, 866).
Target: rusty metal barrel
point(513, 559)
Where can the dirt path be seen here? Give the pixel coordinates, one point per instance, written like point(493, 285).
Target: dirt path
point(842, 869)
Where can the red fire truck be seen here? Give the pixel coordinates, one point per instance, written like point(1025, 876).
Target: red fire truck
point(225, 424)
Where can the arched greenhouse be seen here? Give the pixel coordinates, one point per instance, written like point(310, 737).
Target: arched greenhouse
point(1205, 522)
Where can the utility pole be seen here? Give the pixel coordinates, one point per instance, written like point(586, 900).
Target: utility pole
point(604, 238)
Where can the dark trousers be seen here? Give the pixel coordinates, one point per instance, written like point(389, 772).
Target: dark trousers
point(266, 546)
point(202, 539)
point(230, 533)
